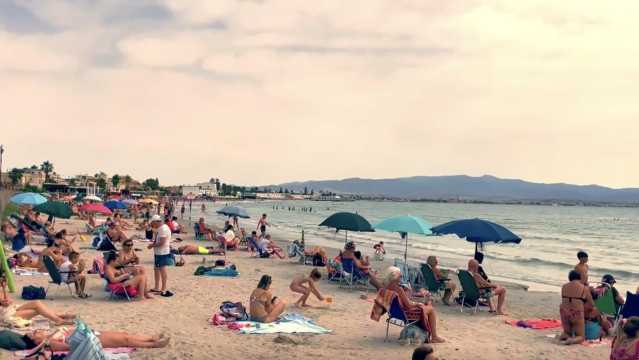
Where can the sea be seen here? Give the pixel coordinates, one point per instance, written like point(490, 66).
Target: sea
point(551, 236)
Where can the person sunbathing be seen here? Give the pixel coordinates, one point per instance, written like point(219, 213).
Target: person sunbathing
point(427, 314)
point(450, 286)
point(574, 296)
point(424, 352)
point(298, 286)
point(625, 345)
point(72, 270)
point(349, 253)
point(199, 250)
point(113, 275)
point(316, 252)
point(203, 229)
point(264, 307)
point(108, 339)
point(11, 313)
point(23, 260)
point(483, 285)
point(123, 224)
point(55, 253)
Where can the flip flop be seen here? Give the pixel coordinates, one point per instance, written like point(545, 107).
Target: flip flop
point(155, 291)
point(167, 294)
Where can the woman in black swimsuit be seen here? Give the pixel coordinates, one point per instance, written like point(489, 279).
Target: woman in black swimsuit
point(574, 296)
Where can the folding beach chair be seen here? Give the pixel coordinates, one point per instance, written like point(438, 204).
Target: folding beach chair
point(116, 291)
point(352, 276)
point(198, 235)
point(605, 303)
point(397, 316)
point(434, 286)
point(470, 292)
point(56, 275)
point(631, 307)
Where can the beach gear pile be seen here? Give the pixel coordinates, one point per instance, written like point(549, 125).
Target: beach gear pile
point(229, 313)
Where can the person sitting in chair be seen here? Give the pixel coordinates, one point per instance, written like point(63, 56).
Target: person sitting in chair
point(483, 285)
point(113, 275)
point(450, 286)
point(363, 267)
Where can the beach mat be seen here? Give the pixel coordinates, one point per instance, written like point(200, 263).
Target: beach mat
point(536, 324)
point(288, 324)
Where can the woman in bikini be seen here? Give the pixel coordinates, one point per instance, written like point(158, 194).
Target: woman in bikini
point(264, 307)
point(574, 296)
point(113, 275)
point(11, 313)
point(625, 346)
point(128, 260)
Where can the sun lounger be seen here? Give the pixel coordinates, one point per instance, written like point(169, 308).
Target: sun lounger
point(470, 292)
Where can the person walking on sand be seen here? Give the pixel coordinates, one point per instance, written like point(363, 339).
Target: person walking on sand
point(182, 210)
point(298, 286)
point(163, 258)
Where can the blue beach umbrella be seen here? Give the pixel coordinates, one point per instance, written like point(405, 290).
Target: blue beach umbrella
point(115, 205)
point(478, 231)
point(28, 198)
point(234, 211)
point(405, 225)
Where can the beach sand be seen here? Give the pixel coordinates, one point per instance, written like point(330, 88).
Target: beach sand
point(354, 336)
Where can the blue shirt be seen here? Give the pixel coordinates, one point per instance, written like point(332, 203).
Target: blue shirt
point(18, 241)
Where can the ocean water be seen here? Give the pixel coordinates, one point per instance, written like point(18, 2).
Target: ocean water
point(551, 236)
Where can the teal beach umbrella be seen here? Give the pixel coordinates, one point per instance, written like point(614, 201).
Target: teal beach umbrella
point(57, 209)
point(404, 225)
point(348, 222)
point(28, 198)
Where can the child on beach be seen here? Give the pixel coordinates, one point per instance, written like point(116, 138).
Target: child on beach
point(297, 285)
point(424, 352)
point(582, 267)
point(72, 270)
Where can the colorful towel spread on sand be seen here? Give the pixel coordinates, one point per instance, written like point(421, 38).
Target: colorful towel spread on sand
point(536, 324)
point(111, 354)
point(288, 324)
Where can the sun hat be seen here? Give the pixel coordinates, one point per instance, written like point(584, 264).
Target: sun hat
point(156, 218)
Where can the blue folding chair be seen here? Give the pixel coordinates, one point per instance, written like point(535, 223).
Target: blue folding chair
point(397, 316)
point(631, 307)
point(351, 275)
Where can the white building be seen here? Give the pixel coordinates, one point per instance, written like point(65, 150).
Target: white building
point(201, 189)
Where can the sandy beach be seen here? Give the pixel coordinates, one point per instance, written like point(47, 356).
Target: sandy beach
point(354, 335)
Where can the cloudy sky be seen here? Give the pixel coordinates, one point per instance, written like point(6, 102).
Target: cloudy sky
point(266, 91)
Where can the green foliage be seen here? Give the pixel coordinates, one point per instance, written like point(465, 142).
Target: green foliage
point(101, 183)
point(15, 175)
point(31, 188)
point(151, 184)
point(11, 208)
point(47, 168)
point(115, 180)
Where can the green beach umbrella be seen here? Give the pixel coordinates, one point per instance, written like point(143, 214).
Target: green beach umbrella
point(405, 225)
point(55, 208)
point(347, 221)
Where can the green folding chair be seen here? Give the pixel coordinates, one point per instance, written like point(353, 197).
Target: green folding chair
point(431, 284)
point(470, 291)
point(606, 304)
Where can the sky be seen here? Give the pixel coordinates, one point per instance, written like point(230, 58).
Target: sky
point(269, 91)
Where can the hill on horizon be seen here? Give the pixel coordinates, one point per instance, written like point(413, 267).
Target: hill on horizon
point(482, 188)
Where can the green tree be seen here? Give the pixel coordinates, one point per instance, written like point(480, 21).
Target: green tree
point(101, 183)
point(34, 167)
point(115, 180)
point(47, 168)
point(72, 182)
point(281, 190)
point(15, 175)
point(286, 191)
point(127, 181)
point(151, 184)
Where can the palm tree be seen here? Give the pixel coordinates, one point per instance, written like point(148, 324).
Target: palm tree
point(47, 168)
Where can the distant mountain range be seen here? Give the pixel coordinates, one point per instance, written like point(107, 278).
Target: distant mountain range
point(462, 187)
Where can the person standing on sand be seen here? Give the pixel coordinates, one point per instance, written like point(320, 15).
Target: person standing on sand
point(182, 210)
point(582, 266)
point(262, 224)
point(203, 207)
point(163, 258)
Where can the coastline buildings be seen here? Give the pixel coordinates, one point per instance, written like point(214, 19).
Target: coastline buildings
point(202, 189)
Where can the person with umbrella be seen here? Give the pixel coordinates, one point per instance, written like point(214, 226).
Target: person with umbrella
point(484, 285)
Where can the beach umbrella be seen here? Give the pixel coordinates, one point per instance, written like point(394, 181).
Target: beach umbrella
point(148, 201)
point(96, 208)
point(478, 231)
point(405, 225)
point(55, 208)
point(92, 198)
point(115, 205)
point(347, 221)
point(69, 197)
point(234, 211)
point(28, 198)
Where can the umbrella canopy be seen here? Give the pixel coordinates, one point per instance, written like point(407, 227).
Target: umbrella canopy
point(477, 231)
point(234, 211)
point(148, 201)
point(28, 198)
point(92, 198)
point(347, 221)
point(130, 202)
point(115, 204)
point(404, 225)
point(96, 208)
point(55, 208)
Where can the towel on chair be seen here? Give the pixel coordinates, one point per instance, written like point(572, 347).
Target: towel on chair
point(382, 303)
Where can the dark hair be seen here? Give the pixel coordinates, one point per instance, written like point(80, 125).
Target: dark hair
point(358, 255)
point(263, 215)
point(421, 352)
point(265, 282)
point(253, 232)
point(59, 235)
point(110, 257)
point(631, 327)
point(574, 275)
point(73, 254)
point(315, 274)
point(582, 254)
point(479, 257)
point(228, 227)
point(174, 218)
point(381, 242)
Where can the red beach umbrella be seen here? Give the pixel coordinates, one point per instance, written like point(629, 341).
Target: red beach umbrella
point(96, 208)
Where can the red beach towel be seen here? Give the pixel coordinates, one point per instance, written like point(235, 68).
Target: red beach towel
point(536, 324)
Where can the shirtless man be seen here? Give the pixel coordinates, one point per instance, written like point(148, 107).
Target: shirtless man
point(582, 267)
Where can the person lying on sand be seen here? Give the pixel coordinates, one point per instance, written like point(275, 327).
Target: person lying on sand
point(25, 261)
point(113, 275)
point(298, 286)
point(11, 313)
point(108, 339)
point(428, 316)
point(264, 307)
point(199, 250)
point(424, 352)
point(473, 268)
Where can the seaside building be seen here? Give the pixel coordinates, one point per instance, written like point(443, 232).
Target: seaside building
point(271, 196)
point(201, 189)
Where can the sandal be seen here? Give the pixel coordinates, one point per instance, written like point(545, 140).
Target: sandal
point(166, 294)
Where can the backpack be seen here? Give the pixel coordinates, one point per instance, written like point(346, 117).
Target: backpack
point(31, 292)
point(318, 260)
point(233, 311)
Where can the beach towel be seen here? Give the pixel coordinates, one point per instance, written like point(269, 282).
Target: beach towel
point(227, 271)
point(382, 303)
point(288, 324)
point(27, 272)
point(536, 324)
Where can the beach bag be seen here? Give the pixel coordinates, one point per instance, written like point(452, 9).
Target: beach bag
point(593, 330)
point(318, 260)
point(31, 292)
point(84, 344)
point(233, 311)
